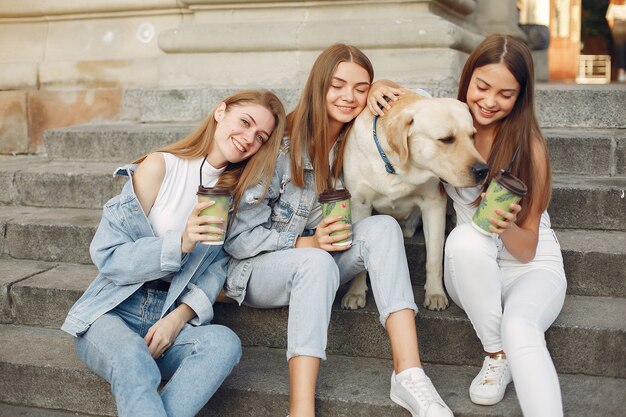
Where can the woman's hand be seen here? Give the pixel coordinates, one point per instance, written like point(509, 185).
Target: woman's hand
point(322, 238)
point(377, 93)
point(164, 332)
point(198, 227)
point(501, 226)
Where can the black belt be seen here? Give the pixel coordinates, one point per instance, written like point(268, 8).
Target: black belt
point(157, 284)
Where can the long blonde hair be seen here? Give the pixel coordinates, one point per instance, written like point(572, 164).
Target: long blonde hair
point(520, 127)
point(239, 176)
point(308, 124)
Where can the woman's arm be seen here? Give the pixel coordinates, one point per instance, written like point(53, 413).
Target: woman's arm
point(250, 232)
point(147, 180)
point(117, 251)
point(124, 257)
point(521, 240)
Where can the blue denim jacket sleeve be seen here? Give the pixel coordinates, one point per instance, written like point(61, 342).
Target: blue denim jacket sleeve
point(204, 287)
point(124, 248)
point(251, 232)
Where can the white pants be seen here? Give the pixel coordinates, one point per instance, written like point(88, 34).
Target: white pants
point(511, 305)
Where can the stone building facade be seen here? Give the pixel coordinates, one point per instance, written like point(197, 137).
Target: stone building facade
point(69, 62)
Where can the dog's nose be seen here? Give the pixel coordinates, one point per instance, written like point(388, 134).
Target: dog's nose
point(480, 171)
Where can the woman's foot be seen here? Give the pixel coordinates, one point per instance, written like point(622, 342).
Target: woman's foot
point(490, 384)
point(413, 390)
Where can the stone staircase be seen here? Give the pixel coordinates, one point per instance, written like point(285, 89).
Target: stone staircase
point(50, 207)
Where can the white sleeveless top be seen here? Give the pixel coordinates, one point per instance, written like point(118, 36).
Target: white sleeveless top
point(177, 195)
point(463, 198)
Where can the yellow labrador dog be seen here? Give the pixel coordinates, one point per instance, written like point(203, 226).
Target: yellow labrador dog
point(424, 140)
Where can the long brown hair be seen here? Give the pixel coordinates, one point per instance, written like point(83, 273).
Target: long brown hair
point(308, 125)
point(519, 129)
point(242, 175)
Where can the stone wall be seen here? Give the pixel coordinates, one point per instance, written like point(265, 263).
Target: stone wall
point(68, 62)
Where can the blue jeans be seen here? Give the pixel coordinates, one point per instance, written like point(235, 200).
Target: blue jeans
point(307, 280)
point(195, 365)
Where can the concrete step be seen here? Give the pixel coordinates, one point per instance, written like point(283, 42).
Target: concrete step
point(114, 142)
point(146, 105)
point(584, 106)
point(576, 151)
point(594, 262)
point(37, 181)
point(578, 201)
point(48, 234)
point(40, 294)
point(586, 325)
point(593, 259)
point(596, 152)
point(40, 369)
point(7, 410)
point(557, 105)
point(583, 202)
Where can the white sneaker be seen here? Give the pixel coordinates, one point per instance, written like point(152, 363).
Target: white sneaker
point(416, 393)
point(489, 385)
point(621, 76)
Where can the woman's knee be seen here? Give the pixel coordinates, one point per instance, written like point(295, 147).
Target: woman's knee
point(380, 226)
point(317, 268)
point(520, 332)
point(228, 341)
point(466, 242)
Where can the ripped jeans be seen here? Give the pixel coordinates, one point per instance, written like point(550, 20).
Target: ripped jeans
point(195, 366)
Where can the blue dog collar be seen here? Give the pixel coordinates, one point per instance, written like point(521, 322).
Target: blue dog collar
point(388, 167)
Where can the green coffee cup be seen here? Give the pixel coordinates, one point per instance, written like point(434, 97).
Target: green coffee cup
point(337, 203)
point(504, 190)
point(220, 208)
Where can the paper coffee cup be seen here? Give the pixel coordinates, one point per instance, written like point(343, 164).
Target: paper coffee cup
point(220, 208)
point(337, 203)
point(504, 190)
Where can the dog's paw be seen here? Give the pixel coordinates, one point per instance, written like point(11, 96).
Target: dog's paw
point(436, 302)
point(353, 301)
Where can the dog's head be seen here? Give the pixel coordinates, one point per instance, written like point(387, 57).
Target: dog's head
point(434, 134)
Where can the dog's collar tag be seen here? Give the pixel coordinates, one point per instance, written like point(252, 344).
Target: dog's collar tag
point(388, 166)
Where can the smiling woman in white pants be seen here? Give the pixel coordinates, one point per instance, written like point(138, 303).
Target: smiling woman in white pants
point(511, 305)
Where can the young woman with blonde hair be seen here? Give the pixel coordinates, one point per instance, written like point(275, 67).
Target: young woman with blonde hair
point(146, 317)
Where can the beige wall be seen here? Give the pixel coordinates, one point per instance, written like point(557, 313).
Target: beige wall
point(169, 43)
point(68, 62)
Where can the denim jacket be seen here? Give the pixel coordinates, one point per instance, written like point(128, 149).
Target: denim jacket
point(127, 254)
point(271, 225)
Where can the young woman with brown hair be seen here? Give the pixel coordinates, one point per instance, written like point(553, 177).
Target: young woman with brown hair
point(511, 283)
point(283, 253)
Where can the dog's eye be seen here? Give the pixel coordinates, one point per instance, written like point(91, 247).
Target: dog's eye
point(447, 140)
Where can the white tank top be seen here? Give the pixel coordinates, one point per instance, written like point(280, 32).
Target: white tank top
point(177, 195)
point(463, 198)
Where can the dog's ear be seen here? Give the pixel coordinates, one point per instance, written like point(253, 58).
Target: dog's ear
point(397, 131)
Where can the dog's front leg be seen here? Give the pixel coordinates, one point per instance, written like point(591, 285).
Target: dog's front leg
point(434, 223)
point(355, 296)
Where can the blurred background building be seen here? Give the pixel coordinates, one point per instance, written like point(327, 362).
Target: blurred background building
point(67, 62)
